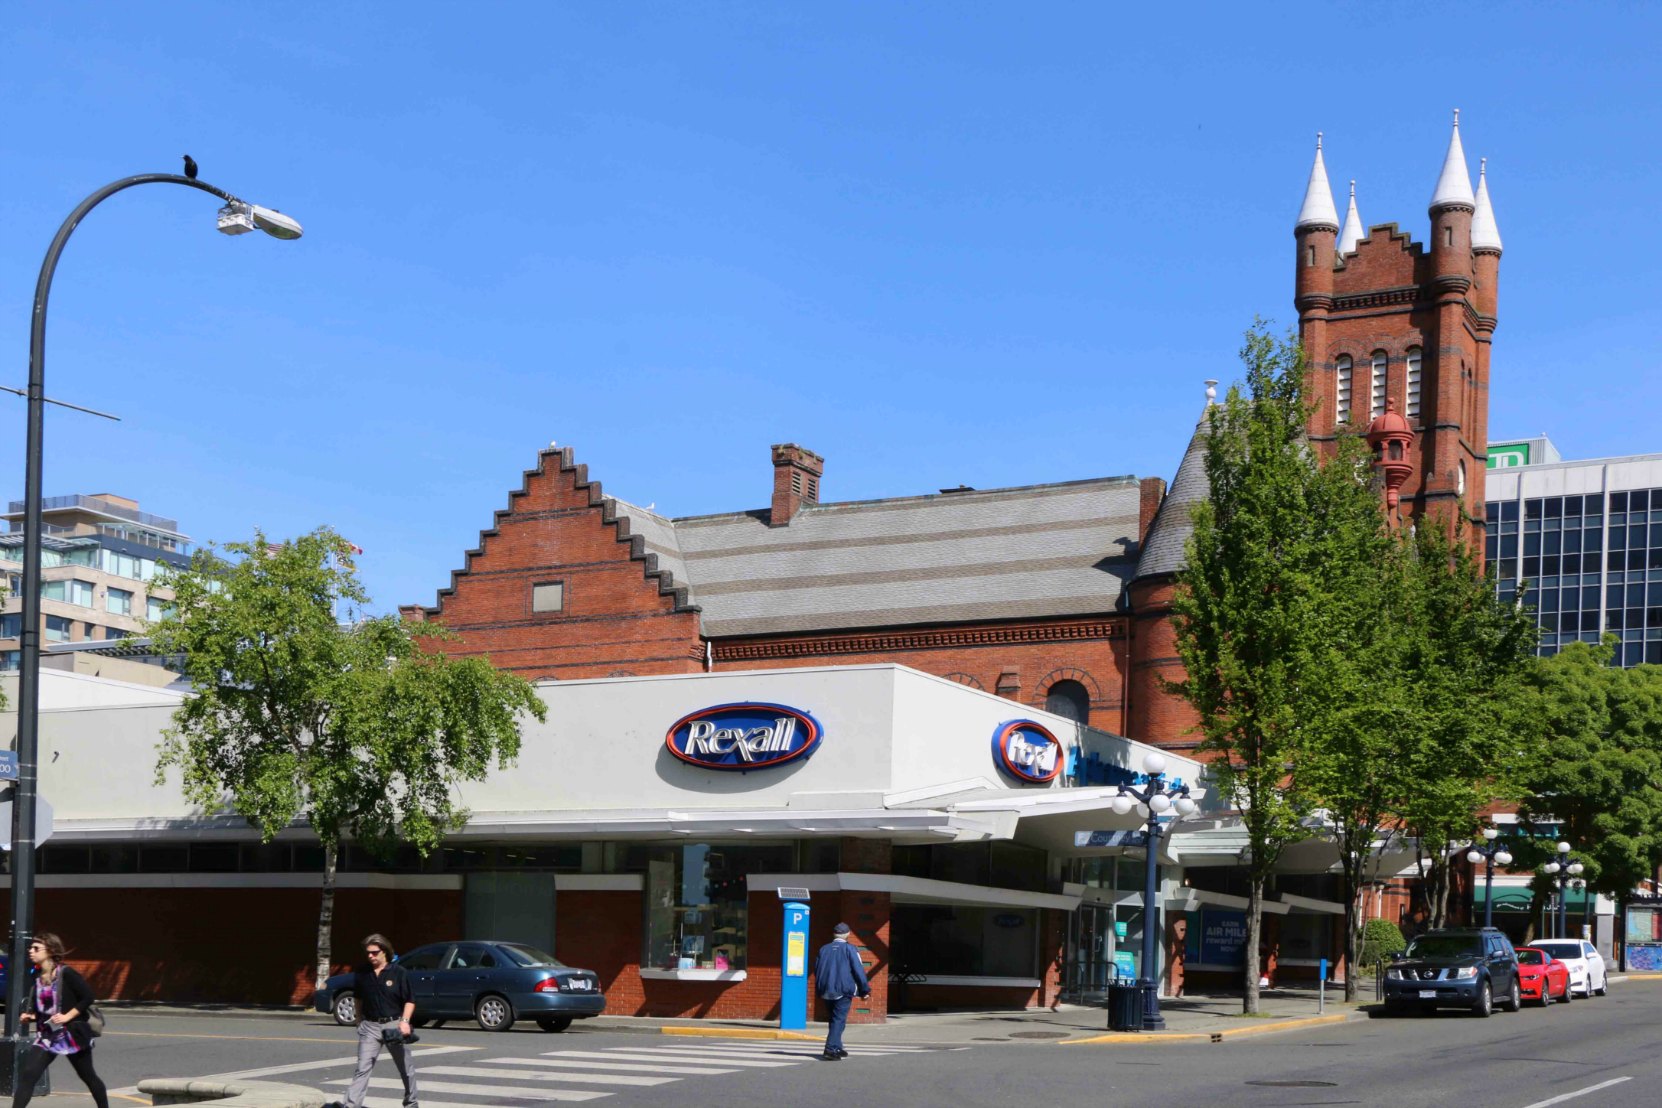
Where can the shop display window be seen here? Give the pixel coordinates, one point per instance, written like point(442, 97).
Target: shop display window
point(955, 940)
point(697, 906)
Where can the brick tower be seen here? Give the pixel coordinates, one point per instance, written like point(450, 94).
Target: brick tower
point(1385, 321)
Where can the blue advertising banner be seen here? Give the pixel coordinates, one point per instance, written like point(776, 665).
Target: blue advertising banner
point(1217, 937)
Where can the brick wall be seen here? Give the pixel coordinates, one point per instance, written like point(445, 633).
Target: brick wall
point(234, 945)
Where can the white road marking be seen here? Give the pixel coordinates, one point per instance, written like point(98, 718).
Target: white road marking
point(527, 1091)
point(398, 1102)
point(298, 1067)
point(1579, 1092)
point(756, 1052)
point(628, 1067)
point(641, 1055)
point(585, 1078)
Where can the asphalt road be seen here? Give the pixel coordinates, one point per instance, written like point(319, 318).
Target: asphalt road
point(1602, 1051)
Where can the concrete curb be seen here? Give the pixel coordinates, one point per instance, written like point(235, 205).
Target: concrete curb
point(241, 1094)
point(741, 1033)
point(1127, 1038)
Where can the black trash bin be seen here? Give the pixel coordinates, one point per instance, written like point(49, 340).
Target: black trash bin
point(1125, 1005)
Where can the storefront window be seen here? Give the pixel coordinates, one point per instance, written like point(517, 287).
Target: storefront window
point(697, 914)
point(957, 941)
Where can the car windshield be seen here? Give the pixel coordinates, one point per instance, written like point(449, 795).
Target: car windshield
point(528, 955)
point(1528, 957)
point(1561, 950)
point(1445, 946)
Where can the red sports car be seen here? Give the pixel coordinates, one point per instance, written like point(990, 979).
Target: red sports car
point(1542, 977)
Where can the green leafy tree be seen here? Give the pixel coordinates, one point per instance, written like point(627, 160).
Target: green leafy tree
point(1252, 607)
point(1599, 777)
point(1464, 729)
point(299, 714)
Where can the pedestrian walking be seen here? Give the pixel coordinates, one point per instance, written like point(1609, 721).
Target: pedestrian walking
point(385, 1006)
point(59, 1004)
point(839, 976)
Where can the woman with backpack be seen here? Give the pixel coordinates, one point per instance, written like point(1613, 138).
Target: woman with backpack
point(59, 1003)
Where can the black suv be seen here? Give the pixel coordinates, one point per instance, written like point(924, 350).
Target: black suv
point(1472, 968)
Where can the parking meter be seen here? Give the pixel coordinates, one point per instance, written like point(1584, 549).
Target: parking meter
point(793, 982)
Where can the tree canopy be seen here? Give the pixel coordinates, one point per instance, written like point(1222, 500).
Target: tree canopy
point(304, 710)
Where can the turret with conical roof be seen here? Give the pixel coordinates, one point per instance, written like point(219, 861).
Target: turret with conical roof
point(1317, 226)
point(1351, 233)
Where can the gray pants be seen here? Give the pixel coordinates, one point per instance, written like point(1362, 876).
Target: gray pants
point(369, 1049)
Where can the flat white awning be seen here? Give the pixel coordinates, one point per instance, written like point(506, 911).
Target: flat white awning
point(914, 890)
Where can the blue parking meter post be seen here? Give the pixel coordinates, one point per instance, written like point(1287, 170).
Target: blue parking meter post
point(1321, 988)
point(793, 982)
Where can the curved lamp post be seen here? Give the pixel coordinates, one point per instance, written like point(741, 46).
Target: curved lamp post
point(1156, 798)
point(1489, 854)
point(235, 217)
point(1561, 872)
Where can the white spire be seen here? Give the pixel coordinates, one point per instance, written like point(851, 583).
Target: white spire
point(1352, 233)
point(1454, 186)
point(1485, 235)
point(1318, 210)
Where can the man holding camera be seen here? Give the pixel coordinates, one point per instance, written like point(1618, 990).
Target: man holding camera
point(385, 1005)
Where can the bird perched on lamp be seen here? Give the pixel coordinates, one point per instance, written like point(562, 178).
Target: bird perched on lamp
point(190, 167)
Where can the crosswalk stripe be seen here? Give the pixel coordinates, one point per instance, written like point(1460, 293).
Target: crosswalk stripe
point(783, 1049)
point(632, 1067)
point(585, 1078)
point(641, 1055)
point(398, 1102)
point(526, 1091)
point(757, 1052)
point(799, 1044)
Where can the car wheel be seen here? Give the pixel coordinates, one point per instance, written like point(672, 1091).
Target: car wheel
point(1514, 999)
point(1569, 993)
point(553, 1023)
point(1604, 987)
point(493, 1012)
point(1485, 1006)
point(345, 1009)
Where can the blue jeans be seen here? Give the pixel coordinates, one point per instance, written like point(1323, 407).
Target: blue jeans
point(839, 1006)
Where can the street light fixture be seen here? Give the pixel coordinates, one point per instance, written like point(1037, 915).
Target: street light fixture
point(1489, 855)
point(236, 217)
point(1156, 798)
point(1560, 873)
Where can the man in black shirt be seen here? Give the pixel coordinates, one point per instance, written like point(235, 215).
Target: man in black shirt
point(385, 1005)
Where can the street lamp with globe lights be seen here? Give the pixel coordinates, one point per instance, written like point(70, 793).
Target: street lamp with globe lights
point(1157, 797)
point(1489, 854)
point(1561, 872)
point(234, 218)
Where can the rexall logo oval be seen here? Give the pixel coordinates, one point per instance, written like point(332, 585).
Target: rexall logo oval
point(745, 736)
point(1027, 751)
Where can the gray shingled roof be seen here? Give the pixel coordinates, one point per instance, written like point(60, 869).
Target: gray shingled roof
point(1041, 550)
point(1168, 535)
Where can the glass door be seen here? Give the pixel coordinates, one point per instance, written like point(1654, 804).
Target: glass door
point(1090, 953)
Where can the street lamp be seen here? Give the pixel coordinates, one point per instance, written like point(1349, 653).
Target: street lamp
point(1561, 872)
point(1157, 797)
point(235, 218)
point(1489, 855)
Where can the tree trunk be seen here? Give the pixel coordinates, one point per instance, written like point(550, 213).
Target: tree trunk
point(1255, 918)
point(1353, 936)
point(326, 916)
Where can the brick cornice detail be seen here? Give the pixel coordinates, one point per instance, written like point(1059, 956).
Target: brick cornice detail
point(882, 642)
point(1384, 297)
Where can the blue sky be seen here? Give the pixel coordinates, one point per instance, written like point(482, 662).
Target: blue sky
point(936, 243)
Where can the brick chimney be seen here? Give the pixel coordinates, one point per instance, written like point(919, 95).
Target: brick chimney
point(796, 474)
point(1151, 491)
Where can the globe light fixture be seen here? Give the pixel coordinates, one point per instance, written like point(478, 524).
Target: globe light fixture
point(1154, 800)
point(1489, 853)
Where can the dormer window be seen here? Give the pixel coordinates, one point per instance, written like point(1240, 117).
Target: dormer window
point(1376, 406)
point(1342, 415)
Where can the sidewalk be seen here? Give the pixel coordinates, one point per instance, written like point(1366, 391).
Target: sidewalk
point(1188, 1019)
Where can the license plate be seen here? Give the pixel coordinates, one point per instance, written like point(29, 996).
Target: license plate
point(579, 985)
point(1428, 994)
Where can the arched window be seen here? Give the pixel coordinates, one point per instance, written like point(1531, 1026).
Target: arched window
point(1413, 360)
point(1070, 700)
point(1342, 415)
point(1376, 405)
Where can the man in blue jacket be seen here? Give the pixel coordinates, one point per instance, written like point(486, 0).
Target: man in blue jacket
point(840, 977)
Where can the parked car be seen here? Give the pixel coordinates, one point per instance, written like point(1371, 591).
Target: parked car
point(1588, 975)
point(1542, 977)
point(494, 983)
point(1473, 968)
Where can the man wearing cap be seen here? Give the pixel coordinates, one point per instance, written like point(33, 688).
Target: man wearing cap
point(840, 977)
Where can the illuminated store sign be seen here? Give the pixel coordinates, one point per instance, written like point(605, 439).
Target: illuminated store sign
point(1027, 751)
point(743, 736)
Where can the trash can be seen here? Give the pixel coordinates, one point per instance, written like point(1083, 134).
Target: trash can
point(1125, 1005)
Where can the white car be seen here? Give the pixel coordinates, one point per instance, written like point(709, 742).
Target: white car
point(1588, 975)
